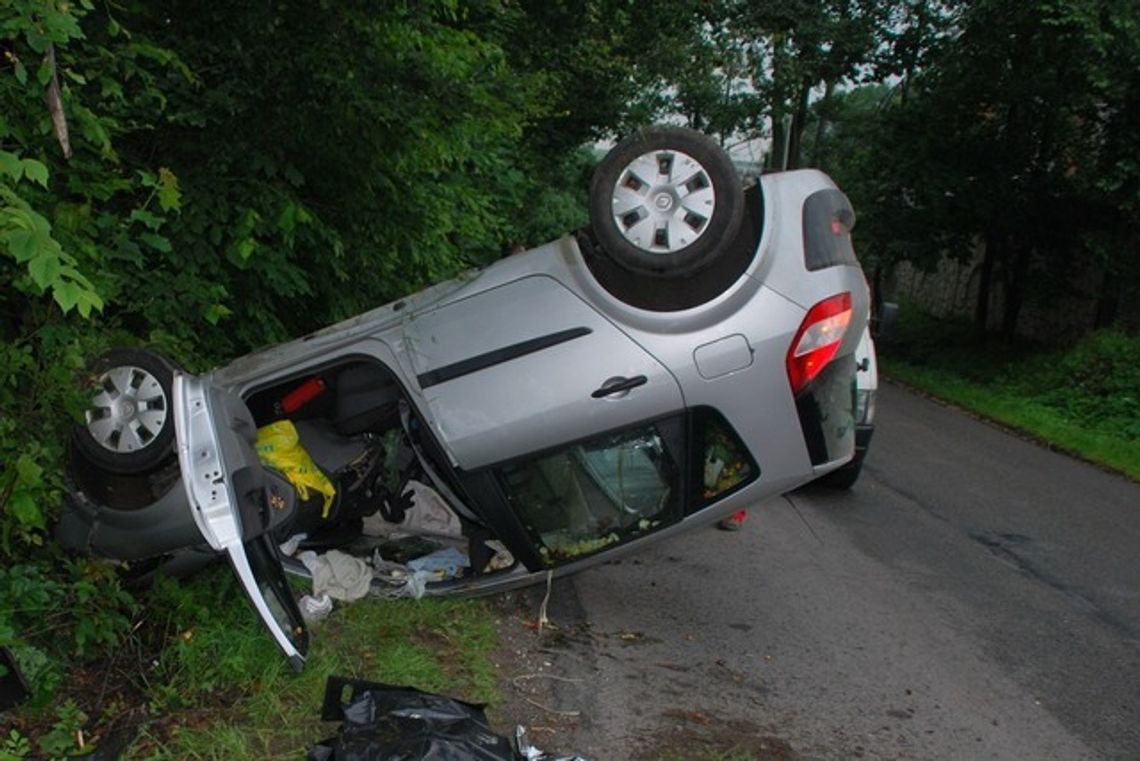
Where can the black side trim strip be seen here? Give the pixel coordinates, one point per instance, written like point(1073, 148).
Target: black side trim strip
point(497, 357)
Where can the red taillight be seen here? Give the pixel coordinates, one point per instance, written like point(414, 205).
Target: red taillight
point(818, 340)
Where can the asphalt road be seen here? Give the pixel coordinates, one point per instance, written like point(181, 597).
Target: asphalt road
point(974, 597)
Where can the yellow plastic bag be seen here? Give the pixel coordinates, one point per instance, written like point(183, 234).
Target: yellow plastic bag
point(279, 447)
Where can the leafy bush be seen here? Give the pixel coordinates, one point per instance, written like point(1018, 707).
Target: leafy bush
point(1094, 384)
point(210, 177)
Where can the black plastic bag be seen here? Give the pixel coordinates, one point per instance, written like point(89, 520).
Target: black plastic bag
point(386, 723)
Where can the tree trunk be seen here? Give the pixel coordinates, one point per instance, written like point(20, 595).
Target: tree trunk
point(985, 281)
point(821, 127)
point(1108, 301)
point(1015, 291)
point(779, 106)
point(799, 121)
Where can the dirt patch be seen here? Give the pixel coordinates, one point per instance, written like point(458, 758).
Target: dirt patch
point(545, 685)
point(697, 735)
point(526, 680)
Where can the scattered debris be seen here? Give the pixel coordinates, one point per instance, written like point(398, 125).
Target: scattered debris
point(542, 618)
point(386, 723)
point(340, 575)
point(315, 609)
point(446, 563)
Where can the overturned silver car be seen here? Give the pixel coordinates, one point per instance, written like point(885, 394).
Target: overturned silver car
point(689, 354)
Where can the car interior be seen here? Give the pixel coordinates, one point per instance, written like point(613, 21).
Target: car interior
point(353, 421)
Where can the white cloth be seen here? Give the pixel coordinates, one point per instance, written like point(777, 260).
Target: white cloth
point(340, 575)
point(429, 513)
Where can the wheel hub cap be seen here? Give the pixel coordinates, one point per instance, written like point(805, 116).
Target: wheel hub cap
point(128, 411)
point(662, 201)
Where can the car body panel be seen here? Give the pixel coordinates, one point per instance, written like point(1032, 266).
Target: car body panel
point(528, 371)
point(509, 363)
point(868, 363)
point(214, 442)
point(867, 387)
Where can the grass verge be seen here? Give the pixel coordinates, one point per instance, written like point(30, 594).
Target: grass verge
point(1025, 415)
point(229, 694)
point(200, 678)
point(1083, 399)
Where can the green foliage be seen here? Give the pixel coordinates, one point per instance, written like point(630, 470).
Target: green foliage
point(15, 747)
point(249, 704)
point(60, 608)
point(1081, 398)
point(1095, 383)
point(1013, 132)
point(61, 740)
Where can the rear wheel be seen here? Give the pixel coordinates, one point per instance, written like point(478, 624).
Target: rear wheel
point(128, 425)
point(665, 202)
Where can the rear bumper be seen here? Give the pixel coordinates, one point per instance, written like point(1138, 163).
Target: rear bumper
point(826, 409)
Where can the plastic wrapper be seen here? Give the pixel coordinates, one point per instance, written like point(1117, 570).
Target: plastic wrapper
point(386, 723)
point(430, 513)
point(527, 752)
point(279, 447)
point(314, 609)
point(446, 563)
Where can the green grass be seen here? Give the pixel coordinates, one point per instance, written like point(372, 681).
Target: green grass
point(222, 691)
point(1083, 399)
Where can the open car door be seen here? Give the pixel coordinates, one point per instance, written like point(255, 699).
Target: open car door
point(225, 485)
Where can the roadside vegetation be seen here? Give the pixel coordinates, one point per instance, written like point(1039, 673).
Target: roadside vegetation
point(1083, 399)
point(208, 177)
point(195, 676)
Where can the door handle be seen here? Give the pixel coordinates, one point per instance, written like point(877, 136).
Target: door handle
point(619, 386)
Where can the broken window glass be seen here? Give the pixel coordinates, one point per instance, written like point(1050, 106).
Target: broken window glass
point(595, 494)
point(723, 462)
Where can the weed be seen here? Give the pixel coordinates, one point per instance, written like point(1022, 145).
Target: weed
point(15, 747)
point(63, 739)
point(221, 690)
point(1083, 398)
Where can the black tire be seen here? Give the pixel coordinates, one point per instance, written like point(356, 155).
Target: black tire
point(129, 425)
point(670, 235)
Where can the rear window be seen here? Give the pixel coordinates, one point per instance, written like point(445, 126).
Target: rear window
point(828, 219)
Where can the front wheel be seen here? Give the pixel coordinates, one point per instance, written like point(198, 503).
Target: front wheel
point(128, 425)
point(665, 202)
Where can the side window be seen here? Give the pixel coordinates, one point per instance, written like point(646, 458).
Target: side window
point(592, 495)
point(722, 463)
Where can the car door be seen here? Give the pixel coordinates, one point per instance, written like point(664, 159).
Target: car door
point(526, 366)
point(225, 486)
point(570, 436)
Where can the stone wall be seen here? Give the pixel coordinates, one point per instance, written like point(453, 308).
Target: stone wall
point(951, 290)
